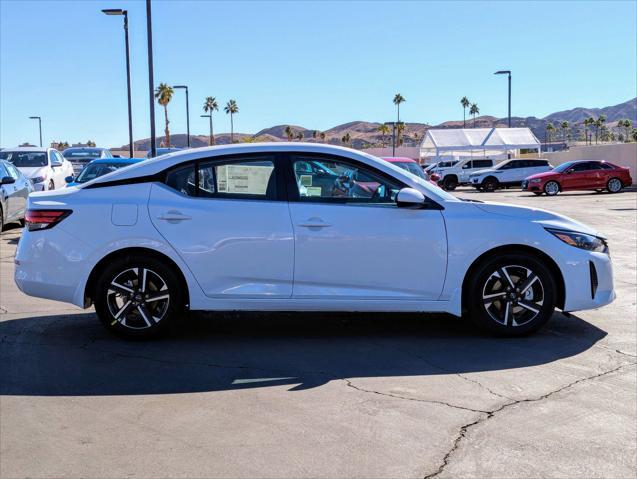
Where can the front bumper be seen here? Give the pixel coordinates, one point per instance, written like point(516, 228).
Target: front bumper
point(588, 280)
point(528, 186)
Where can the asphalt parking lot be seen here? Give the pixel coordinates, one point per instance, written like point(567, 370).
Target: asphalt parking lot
point(300, 395)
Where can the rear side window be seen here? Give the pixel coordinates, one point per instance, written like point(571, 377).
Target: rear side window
point(482, 163)
point(605, 166)
point(242, 179)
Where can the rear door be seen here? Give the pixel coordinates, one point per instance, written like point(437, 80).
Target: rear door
point(228, 219)
point(21, 193)
point(7, 191)
point(353, 242)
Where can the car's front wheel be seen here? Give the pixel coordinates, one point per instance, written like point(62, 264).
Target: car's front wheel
point(511, 295)
point(551, 188)
point(450, 183)
point(138, 297)
point(490, 184)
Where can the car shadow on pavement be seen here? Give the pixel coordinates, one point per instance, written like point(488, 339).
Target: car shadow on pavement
point(73, 356)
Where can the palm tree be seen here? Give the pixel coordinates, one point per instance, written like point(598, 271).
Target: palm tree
point(634, 134)
point(398, 99)
point(164, 94)
point(322, 135)
point(627, 124)
point(299, 136)
point(90, 143)
point(474, 110)
point(400, 129)
point(589, 121)
point(346, 138)
point(289, 132)
point(464, 101)
point(384, 130)
point(231, 108)
point(314, 134)
point(209, 106)
point(598, 124)
point(564, 126)
point(549, 131)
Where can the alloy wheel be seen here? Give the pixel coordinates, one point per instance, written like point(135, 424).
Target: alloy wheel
point(513, 295)
point(137, 298)
point(551, 188)
point(614, 185)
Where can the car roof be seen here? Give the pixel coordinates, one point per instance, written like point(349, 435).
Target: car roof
point(399, 159)
point(41, 149)
point(153, 166)
point(85, 148)
point(130, 161)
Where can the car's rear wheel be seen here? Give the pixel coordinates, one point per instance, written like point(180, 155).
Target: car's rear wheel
point(1, 220)
point(138, 297)
point(511, 295)
point(490, 184)
point(51, 185)
point(551, 188)
point(450, 183)
point(614, 185)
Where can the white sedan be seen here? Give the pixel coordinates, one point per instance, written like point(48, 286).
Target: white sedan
point(45, 167)
point(300, 227)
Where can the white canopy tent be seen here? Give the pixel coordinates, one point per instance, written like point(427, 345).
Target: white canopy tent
point(463, 142)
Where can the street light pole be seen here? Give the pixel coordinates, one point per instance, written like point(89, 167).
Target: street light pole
point(119, 11)
point(187, 113)
point(151, 82)
point(507, 72)
point(210, 118)
point(39, 125)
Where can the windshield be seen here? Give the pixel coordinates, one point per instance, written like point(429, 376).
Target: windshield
point(95, 170)
point(413, 168)
point(25, 159)
point(81, 154)
point(564, 166)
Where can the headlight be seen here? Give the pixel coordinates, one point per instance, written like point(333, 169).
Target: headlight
point(536, 180)
point(38, 179)
point(581, 240)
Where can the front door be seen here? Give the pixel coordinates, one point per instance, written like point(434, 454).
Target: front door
point(228, 220)
point(353, 242)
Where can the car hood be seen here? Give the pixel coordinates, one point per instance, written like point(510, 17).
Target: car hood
point(536, 215)
point(33, 171)
point(546, 174)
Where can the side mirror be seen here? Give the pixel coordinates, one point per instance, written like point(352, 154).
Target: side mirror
point(569, 172)
point(7, 180)
point(410, 198)
point(69, 179)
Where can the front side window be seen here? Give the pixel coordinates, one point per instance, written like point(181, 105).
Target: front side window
point(338, 181)
point(3, 171)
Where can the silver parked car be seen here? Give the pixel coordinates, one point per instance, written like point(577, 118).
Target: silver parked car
point(14, 190)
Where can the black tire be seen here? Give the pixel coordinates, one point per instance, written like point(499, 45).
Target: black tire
point(490, 184)
point(51, 185)
point(614, 185)
point(551, 188)
point(450, 182)
point(495, 306)
point(537, 193)
point(127, 311)
point(1, 220)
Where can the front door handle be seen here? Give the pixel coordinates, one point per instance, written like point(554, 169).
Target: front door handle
point(173, 217)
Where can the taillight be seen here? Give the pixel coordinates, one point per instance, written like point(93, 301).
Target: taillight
point(43, 219)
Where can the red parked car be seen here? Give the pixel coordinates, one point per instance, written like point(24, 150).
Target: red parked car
point(411, 166)
point(579, 175)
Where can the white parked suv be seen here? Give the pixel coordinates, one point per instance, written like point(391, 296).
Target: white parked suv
point(508, 173)
point(458, 172)
point(45, 167)
point(250, 227)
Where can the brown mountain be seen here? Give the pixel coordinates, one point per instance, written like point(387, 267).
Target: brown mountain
point(365, 134)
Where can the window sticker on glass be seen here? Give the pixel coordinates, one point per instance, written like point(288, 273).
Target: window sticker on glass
point(313, 191)
point(246, 179)
point(306, 180)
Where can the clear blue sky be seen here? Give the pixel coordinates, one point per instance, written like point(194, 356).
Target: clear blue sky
point(314, 64)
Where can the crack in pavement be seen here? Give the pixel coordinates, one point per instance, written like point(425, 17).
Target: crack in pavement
point(488, 415)
point(430, 401)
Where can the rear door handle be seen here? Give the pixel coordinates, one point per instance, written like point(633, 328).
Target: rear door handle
point(314, 223)
point(173, 217)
